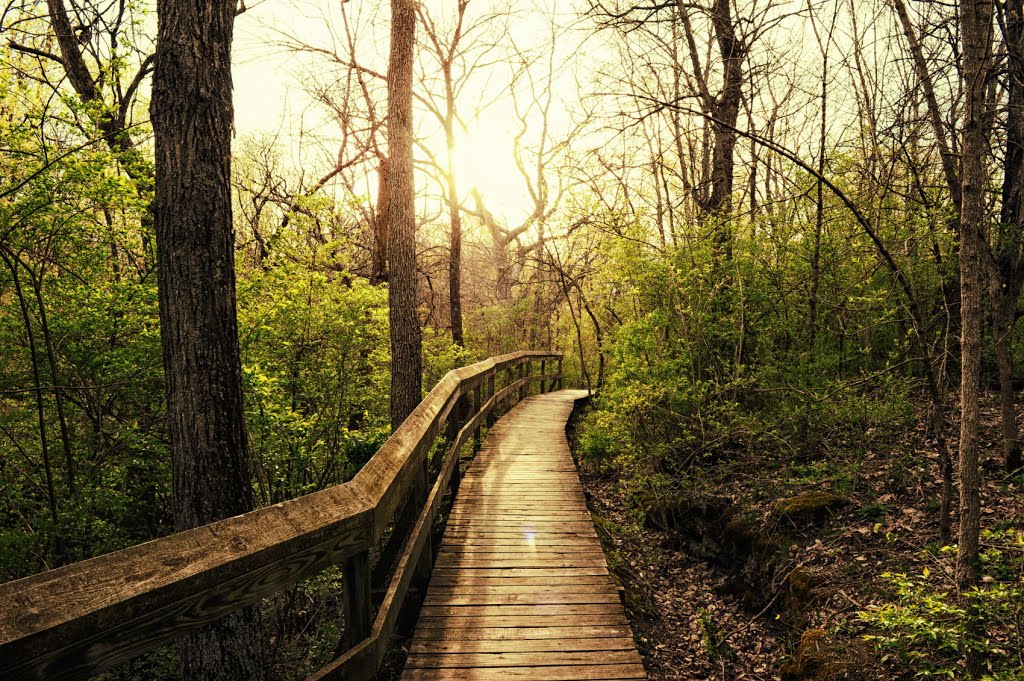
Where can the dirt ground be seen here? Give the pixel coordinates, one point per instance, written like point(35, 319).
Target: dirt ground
point(692, 622)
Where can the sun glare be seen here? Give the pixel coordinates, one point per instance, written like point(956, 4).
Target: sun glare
point(485, 161)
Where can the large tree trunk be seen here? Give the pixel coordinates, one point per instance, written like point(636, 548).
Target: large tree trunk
point(976, 27)
point(727, 107)
point(192, 117)
point(406, 360)
point(723, 110)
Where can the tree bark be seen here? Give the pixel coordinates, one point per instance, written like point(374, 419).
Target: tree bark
point(1008, 270)
point(976, 27)
point(724, 110)
point(727, 110)
point(192, 117)
point(406, 339)
point(455, 265)
point(379, 272)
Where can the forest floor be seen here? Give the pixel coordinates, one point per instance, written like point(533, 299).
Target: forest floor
point(701, 615)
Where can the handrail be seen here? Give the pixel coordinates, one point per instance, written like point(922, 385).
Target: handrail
point(82, 619)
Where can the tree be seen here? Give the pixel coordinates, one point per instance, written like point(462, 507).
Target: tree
point(406, 338)
point(976, 37)
point(192, 118)
point(94, 55)
point(457, 56)
point(949, 282)
point(1007, 261)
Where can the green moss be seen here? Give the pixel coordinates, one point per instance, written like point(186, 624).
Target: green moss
point(812, 507)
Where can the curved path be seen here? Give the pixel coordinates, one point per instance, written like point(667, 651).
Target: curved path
point(520, 589)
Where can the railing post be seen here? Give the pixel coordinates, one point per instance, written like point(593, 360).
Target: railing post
point(543, 376)
point(561, 381)
point(357, 603)
point(425, 564)
point(490, 394)
point(477, 402)
point(454, 425)
point(509, 380)
point(523, 369)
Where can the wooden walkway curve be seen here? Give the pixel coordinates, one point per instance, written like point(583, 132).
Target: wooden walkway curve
point(521, 589)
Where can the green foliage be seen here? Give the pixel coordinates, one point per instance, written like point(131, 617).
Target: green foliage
point(315, 357)
point(928, 627)
point(441, 355)
point(78, 328)
point(713, 359)
point(715, 641)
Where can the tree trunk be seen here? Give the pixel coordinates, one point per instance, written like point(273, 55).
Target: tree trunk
point(379, 272)
point(455, 250)
point(1003, 307)
point(976, 27)
point(726, 109)
point(406, 360)
point(1008, 274)
point(192, 117)
point(924, 78)
point(819, 211)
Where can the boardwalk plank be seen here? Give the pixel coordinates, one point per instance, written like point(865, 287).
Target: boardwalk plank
point(520, 588)
point(430, 636)
point(563, 673)
point(559, 596)
point(523, 645)
point(520, 659)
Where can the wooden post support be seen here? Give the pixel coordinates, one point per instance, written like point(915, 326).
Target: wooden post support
point(509, 380)
point(357, 604)
point(425, 564)
point(452, 428)
point(456, 418)
point(543, 376)
point(561, 383)
point(490, 394)
point(477, 402)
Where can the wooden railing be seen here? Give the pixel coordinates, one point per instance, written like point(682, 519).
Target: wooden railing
point(84, 618)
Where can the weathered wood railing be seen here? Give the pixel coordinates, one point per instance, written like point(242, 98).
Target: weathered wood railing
point(82, 619)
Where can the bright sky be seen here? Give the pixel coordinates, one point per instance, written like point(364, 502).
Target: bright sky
point(270, 97)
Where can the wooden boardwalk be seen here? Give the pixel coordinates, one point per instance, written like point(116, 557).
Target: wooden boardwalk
point(520, 589)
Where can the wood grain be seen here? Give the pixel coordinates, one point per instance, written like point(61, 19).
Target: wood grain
point(520, 588)
point(81, 619)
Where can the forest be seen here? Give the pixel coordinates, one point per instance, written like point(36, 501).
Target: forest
point(780, 243)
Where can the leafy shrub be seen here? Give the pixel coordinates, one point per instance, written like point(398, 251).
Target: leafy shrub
point(928, 628)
